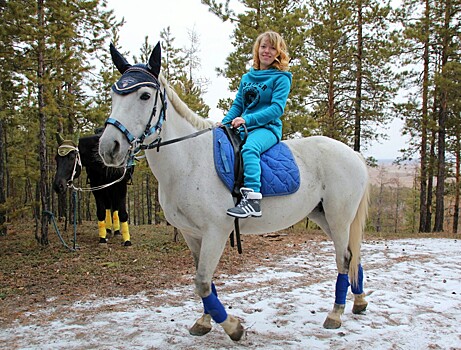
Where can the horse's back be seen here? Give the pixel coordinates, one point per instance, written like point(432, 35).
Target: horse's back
point(328, 157)
point(331, 170)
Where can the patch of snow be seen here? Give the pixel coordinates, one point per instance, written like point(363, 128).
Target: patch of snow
point(413, 289)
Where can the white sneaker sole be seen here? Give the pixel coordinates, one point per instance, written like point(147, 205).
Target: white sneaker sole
point(244, 216)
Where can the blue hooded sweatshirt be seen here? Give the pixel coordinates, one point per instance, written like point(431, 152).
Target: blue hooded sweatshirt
point(261, 99)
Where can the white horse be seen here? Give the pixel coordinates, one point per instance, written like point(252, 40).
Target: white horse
point(333, 191)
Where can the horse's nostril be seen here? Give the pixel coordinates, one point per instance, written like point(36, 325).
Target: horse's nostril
point(116, 147)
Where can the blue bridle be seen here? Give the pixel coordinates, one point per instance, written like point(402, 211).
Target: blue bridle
point(134, 78)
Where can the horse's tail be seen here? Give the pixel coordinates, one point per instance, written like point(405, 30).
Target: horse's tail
point(356, 235)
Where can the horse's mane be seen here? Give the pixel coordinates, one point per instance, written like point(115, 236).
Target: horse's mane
point(185, 112)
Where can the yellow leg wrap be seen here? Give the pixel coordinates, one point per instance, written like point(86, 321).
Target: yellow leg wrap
point(125, 231)
point(116, 221)
point(108, 219)
point(102, 229)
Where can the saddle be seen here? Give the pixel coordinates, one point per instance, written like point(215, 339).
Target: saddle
point(279, 171)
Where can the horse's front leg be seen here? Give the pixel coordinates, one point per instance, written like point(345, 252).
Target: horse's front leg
point(101, 214)
point(121, 214)
point(203, 325)
point(210, 253)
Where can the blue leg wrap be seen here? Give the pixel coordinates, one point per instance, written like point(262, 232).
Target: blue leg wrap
point(215, 308)
point(358, 288)
point(213, 291)
point(342, 283)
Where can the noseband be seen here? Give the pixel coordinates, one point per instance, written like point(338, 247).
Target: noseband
point(137, 143)
point(63, 151)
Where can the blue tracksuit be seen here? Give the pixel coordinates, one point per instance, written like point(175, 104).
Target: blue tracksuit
point(260, 101)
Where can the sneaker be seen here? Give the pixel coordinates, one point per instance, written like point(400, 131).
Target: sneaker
point(250, 205)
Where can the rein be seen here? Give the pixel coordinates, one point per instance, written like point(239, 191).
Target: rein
point(137, 144)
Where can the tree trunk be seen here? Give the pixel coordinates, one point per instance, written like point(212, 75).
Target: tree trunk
point(149, 200)
point(43, 185)
point(157, 207)
point(2, 183)
point(457, 184)
point(358, 89)
point(423, 150)
point(440, 190)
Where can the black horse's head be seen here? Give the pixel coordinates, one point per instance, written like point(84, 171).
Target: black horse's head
point(67, 161)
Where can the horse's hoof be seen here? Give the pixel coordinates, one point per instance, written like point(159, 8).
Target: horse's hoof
point(127, 244)
point(117, 233)
point(358, 309)
point(331, 323)
point(360, 304)
point(238, 333)
point(233, 328)
point(102, 240)
point(202, 326)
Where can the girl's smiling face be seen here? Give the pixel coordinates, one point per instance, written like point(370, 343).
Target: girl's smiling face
point(267, 53)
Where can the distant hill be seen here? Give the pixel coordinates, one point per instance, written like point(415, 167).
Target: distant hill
point(394, 175)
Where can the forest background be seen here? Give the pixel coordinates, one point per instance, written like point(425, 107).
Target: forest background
point(350, 59)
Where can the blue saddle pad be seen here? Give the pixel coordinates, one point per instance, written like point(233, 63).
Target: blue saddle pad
point(279, 171)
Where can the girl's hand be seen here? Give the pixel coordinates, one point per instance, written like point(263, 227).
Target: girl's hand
point(237, 122)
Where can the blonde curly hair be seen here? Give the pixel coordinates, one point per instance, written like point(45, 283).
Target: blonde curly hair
point(281, 60)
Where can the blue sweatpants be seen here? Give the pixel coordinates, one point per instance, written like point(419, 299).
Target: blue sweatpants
point(258, 141)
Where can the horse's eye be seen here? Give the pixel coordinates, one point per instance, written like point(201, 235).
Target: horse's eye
point(145, 96)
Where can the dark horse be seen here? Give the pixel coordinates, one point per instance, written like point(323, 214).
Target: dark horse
point(110, 200)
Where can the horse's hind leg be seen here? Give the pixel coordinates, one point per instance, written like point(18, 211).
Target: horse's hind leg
point(108, 222)
point(360, 304)
point(116, 223)
point(119, 205)
point(333, 319)
point(101, 214)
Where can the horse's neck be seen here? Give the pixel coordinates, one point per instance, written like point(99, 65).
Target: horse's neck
point(175, 125)
point(176, 158)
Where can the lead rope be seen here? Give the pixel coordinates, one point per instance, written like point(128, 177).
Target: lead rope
point(70, 183)
point(96, 188)
point(52, 218)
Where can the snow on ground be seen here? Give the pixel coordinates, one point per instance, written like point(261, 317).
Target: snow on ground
point(413, 287)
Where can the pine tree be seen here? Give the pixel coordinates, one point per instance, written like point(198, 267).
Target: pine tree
point(350, 54)
point(54, 44)
point(431, 37)
point(287, 18)
point(180, 67)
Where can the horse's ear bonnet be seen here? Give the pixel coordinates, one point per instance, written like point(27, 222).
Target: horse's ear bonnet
point(65, 146)
point(134, 77)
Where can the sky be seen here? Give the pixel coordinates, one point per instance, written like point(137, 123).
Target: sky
point(149, 18)
point(412, 287)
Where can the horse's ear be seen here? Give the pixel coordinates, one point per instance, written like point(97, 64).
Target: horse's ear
point(120, 62)
point(155, 60)
point(59, 138)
